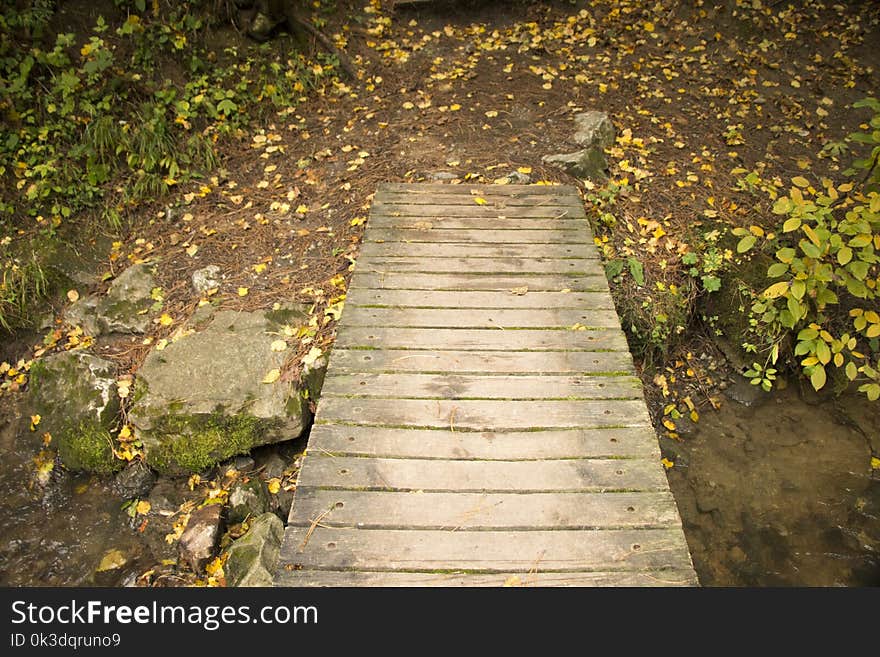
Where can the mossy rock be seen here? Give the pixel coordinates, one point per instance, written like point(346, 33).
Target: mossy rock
point(202, 399)
point(75, 395)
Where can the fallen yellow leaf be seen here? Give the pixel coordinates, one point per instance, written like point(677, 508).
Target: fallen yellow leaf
point(272, 376)
point(479, 200)
point(279, 345)
point(243, 291)
point(143, 507)
point(274, 485)
point(166, 319)
point(72, 296)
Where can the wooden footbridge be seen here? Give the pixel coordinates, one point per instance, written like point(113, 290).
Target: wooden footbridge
point(481, 422)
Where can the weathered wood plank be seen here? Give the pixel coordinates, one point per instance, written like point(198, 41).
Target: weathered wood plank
point(481, 300)
point(455, 386)
point(485, 282)
point(488, 197)
point(573, 476)
point(447, 265)
point(391, 549)
point(497, 318)
point(624, 578)
point(341, 440)
point(354, 337)
point(472, 511)
point(465, 223)
point(430, 212)
point(482, 362)
point(459, 250)
point(480, 236)
point(464, 188)
point(486, 414)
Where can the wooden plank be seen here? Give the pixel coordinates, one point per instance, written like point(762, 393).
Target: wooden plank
point(488, 223)
point(573, 475)
point(486, 414)
point(488, 195)
point(480, 300)
point(492, 551)
point(464, 188)
point(455, 386)
point(354, 337)
point(486, 282)
point(575, 266)
point(482, 511)
point(624, 578)
point(432, 212)
point(341, 440)
point(549, 207)
point(479, 236)
point(497, 318)
point(482, 362)
point(459, 250)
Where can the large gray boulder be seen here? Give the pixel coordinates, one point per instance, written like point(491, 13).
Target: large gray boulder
point(252, 559)
point(203, 398)
point(126, 308)
point(594, 132)
point(75, 394)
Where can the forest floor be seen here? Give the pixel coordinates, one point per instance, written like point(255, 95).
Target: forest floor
point(712, 104)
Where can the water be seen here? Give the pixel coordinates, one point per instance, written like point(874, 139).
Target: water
point(782, 492)
point(57, 535)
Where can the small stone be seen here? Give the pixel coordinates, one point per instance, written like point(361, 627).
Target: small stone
point(166, 498)
point(743, 392)
point(206, 278)
point(126, 308)
point(253, 558)
point(135, 480)
point(274, 466)
point(588, 163)
point(518, 178)
point(83, 313)
point(594, 130)
point(247, 500)
point(281, 503)
point(199, 540)
point(442, 175)
point(244, 463)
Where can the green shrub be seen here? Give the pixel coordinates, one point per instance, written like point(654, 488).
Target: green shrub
point(822, 305)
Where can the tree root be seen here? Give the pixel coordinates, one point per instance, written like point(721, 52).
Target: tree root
point(344, 60)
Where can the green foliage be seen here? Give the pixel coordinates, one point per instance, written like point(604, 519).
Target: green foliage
point(99, 123)
point(24, 281)
point(824, 294)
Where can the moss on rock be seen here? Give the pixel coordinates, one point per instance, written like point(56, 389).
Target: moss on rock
point(193, 443)
point(88, 447)
point(75, 393)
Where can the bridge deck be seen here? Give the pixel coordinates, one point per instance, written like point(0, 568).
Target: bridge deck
point(481, 422)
